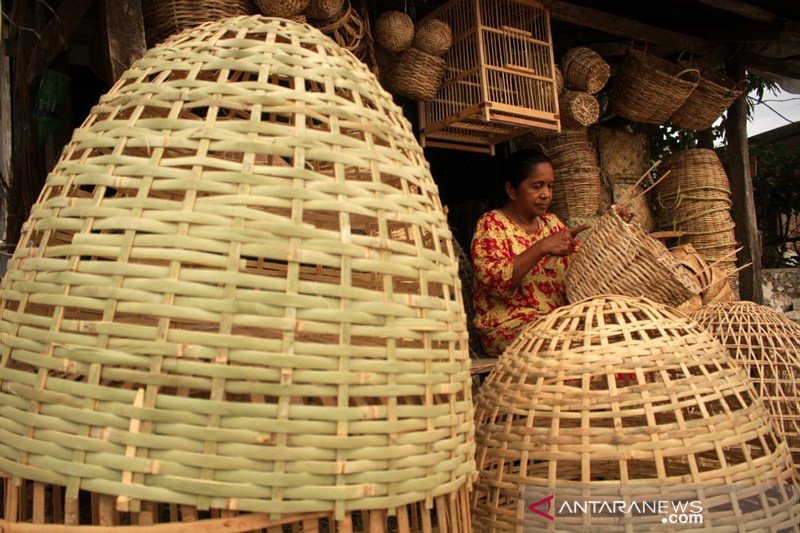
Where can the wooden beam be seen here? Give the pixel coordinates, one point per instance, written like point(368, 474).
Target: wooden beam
point(124, 33)
point(774, 65)
point(744, 9)
point(628, 28)
point(744, 209)
point(54, 37)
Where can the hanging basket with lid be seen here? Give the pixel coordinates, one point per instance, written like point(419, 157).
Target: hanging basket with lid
point(714, 94)
point(238, 292)
point(620, 258)
point(618, 399)
point(418, 75)
point(650, 89)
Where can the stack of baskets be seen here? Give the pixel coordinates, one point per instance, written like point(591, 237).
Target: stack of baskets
point(623, 400)
point(584, 73)
point(241, 304)
point(695, 198)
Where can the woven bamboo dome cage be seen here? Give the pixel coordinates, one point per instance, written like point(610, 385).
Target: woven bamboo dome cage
point(237, 293)
point(624, 156)
point(584, 70)
point(767, 345)
point(622, 399)
point(394, 30)
point(163, 18)
point(578, 109)
point(621, 258)
point(695, 198)
point(433, 36)
point(282, 8)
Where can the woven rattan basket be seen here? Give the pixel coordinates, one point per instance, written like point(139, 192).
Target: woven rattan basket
point(623, 400)
point(620, 258)
point(767, 345)
point(163, 18)
point(650, 89)
point(394, 30)
point(577, 109)
point(633, 198)
point(238, 292)
point(281, 8)
point(714, 94)
point(324, 9)
point(713, 282)
point(559, 80)
point(418, 75)
point(348, 30)
point(576, 192)
point(433, 36)
point(584, 70)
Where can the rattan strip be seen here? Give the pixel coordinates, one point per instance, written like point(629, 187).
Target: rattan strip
point(767, 345)
point(623, 399)
point(237, 290)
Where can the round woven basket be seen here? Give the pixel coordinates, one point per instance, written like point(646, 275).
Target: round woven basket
point(394, 30)
point(584, 70)
point(577, 109)
point(623, 400)
point(767, 345)
point(324, 9)
point(433, 36)
point(348, 30)
point(163, 18)
point(620, 258)
point(576, 192)
point(418, 75)
point(650, 89)
point(238, 292)
point(714, 94)
point(281, 8)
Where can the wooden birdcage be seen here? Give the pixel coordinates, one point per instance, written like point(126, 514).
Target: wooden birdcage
point(236, 299)
point(500, 80)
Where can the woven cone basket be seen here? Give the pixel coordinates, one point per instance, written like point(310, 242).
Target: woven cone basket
point(238, 292)
point(620, 399)
point(767, 345)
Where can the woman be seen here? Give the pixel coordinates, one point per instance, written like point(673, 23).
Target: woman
point(515, 283)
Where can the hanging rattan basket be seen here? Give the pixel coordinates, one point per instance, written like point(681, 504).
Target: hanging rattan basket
point(237, 293)
point(577, 109)
point(348, 30)
point(394, 31)
point(282, 8)
point(619, 399)
point(163, 18)
point(767, 345)
point(584, 70)
point(418, 75)
point(620, 258)
point(327, 10)
point(650, 89)
point(714, 94)
point(433, 36)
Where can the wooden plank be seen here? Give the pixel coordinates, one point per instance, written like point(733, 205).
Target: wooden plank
point(628, 28)
point(743, 9)
point(124, 32)
point(744, 209)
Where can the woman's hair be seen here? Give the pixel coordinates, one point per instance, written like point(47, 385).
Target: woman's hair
point(519, 165)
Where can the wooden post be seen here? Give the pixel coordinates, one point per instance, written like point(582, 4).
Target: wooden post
point(705, 139)
point(124, 32)
point(744, 209)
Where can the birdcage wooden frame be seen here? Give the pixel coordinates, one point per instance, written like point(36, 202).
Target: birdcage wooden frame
point(500, 81)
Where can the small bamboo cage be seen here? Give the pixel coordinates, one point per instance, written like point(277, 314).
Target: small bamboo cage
point(622, 399)
point(500, 79)
point(237, 293)
point(767, 345)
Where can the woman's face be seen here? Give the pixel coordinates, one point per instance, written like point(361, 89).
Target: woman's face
point(533, 196)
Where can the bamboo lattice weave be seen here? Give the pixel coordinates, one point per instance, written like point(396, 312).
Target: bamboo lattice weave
point(623, 399)
point(238, 290)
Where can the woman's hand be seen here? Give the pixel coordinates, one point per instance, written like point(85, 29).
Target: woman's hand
point(562, 242)
point(624, 213)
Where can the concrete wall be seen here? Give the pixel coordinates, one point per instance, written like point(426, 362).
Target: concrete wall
point(782, 290)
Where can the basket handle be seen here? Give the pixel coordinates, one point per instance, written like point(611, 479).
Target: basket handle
point(688, 71)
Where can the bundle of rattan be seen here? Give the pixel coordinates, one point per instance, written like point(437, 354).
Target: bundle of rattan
point(621, 258)
point(577, 109)
point(767, 345)
point(714, 284)
point(714, 94)
point(623, 156)
point(695, 198)
point(650, 89)
point(394, 31)
point(584, 70)
point(623, 400)
point(237, 292)
point(418, 75)
point(163, 18)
